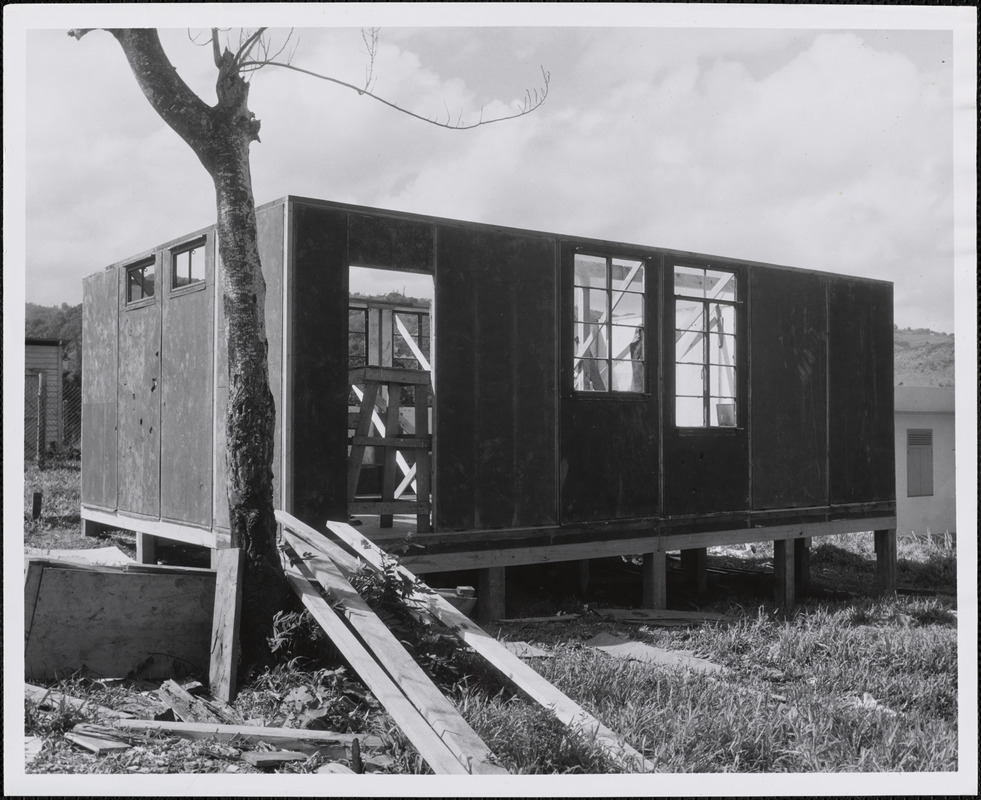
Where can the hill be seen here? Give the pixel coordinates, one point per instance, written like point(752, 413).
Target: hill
point(923, 357)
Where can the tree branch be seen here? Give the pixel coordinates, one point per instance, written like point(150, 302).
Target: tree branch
point(530, 103)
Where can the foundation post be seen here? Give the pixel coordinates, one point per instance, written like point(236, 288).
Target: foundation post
point(490, 594)
point(583, 575)
point(783, 572)
point(146, 548)
point(695, 564)
point(885, 561)
point(655, 572)
point(802, 565)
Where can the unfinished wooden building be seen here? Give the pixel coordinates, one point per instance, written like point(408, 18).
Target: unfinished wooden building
point(526, 397)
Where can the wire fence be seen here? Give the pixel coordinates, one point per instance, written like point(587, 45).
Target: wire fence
point(52, 418)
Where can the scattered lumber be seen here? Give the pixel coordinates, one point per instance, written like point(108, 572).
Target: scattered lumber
point(659, 616)
point(186, 706)
point(645, 653)
point(39, 694)
point(336, 745)
point(529, 620)
point(513, 668)
point(97, 739)
point(272, 758)
point(421, 692)
point(406, 716)
point(335, 768)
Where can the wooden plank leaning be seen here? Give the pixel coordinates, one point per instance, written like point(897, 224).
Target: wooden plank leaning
point(405, 715)
point(513, 668)
point(441, 715)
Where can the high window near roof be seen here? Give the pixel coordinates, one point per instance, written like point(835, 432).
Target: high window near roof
point(705, 348)
point(609, 324)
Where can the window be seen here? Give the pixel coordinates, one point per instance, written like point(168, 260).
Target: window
point(187, 266)
point(705, 348)
point(919, 462)
point(357, 337)
point(139, 281)
point(608, 322)
point(410, 340)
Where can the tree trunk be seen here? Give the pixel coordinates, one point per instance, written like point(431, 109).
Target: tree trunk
point(250, 413)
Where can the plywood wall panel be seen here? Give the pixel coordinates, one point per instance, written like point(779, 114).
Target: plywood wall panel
point(100, 320)
point(390, 242)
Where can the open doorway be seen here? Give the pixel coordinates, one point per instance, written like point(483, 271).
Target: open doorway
point(390, 405)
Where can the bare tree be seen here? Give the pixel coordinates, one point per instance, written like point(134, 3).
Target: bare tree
point(220, 137)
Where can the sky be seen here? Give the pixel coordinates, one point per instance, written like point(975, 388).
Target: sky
point(826, 148)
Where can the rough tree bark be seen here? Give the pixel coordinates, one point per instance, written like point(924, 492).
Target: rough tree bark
point(220, 136)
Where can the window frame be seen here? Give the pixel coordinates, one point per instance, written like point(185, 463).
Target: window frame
point(419, 314)
point(611, 255)
point(736, 363)
point(140, 265)
point(199, 243)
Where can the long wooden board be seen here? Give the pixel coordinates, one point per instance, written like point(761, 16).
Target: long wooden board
point(225, 624)
point(513, 668)
point(441, 715)
point(412, 723)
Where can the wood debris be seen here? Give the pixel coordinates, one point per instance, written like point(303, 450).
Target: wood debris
point(51, 699)
point(97, 739)
point(645, 653)
point(660, 617)
point(272, 758)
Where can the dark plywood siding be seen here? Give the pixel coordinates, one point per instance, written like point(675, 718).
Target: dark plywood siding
point(100, 320)
point(139, 403)
point(789, 388)
point(320, 364)
point(495, 380)
point(706, 470)
point(377, 241)
point(609, 459)
point(609, 442)
point(187, 360)
point(861, 392)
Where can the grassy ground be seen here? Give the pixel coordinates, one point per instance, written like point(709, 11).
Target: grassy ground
point(845, 683)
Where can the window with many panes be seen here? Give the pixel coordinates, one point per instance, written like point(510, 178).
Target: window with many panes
point(705, 347)
point(609, 325)
point(357, 336)
point(187, 266)
point(410, 340)
point(140, 281)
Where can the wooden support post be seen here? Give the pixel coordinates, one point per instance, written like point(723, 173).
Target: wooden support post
point(42, 422)
point(695, 564)
point(391, 432)
point(583, 576)
point(655, 586)
point(783, 572)
point(229, 565)
point(36, 506)
point(885, 561)
point(146, 548)
point(423, 478)
point(490, 594)
point(802, 566)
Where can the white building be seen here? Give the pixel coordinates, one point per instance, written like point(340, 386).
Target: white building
point(925, 444)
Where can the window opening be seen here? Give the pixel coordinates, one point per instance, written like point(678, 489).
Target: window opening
point(140, 282)
point(609, 325)
point(705, 348)
point(919, 462)
point(187, 266)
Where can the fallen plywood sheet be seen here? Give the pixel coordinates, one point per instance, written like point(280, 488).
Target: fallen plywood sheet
point(113, 621)
point(513, 668)
point(525, 650)
point(336, 745)
point(421, 692)
point(104, 556)
point(638, 651)
point(660, 616)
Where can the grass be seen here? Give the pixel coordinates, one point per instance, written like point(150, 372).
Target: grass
point(848, 682)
